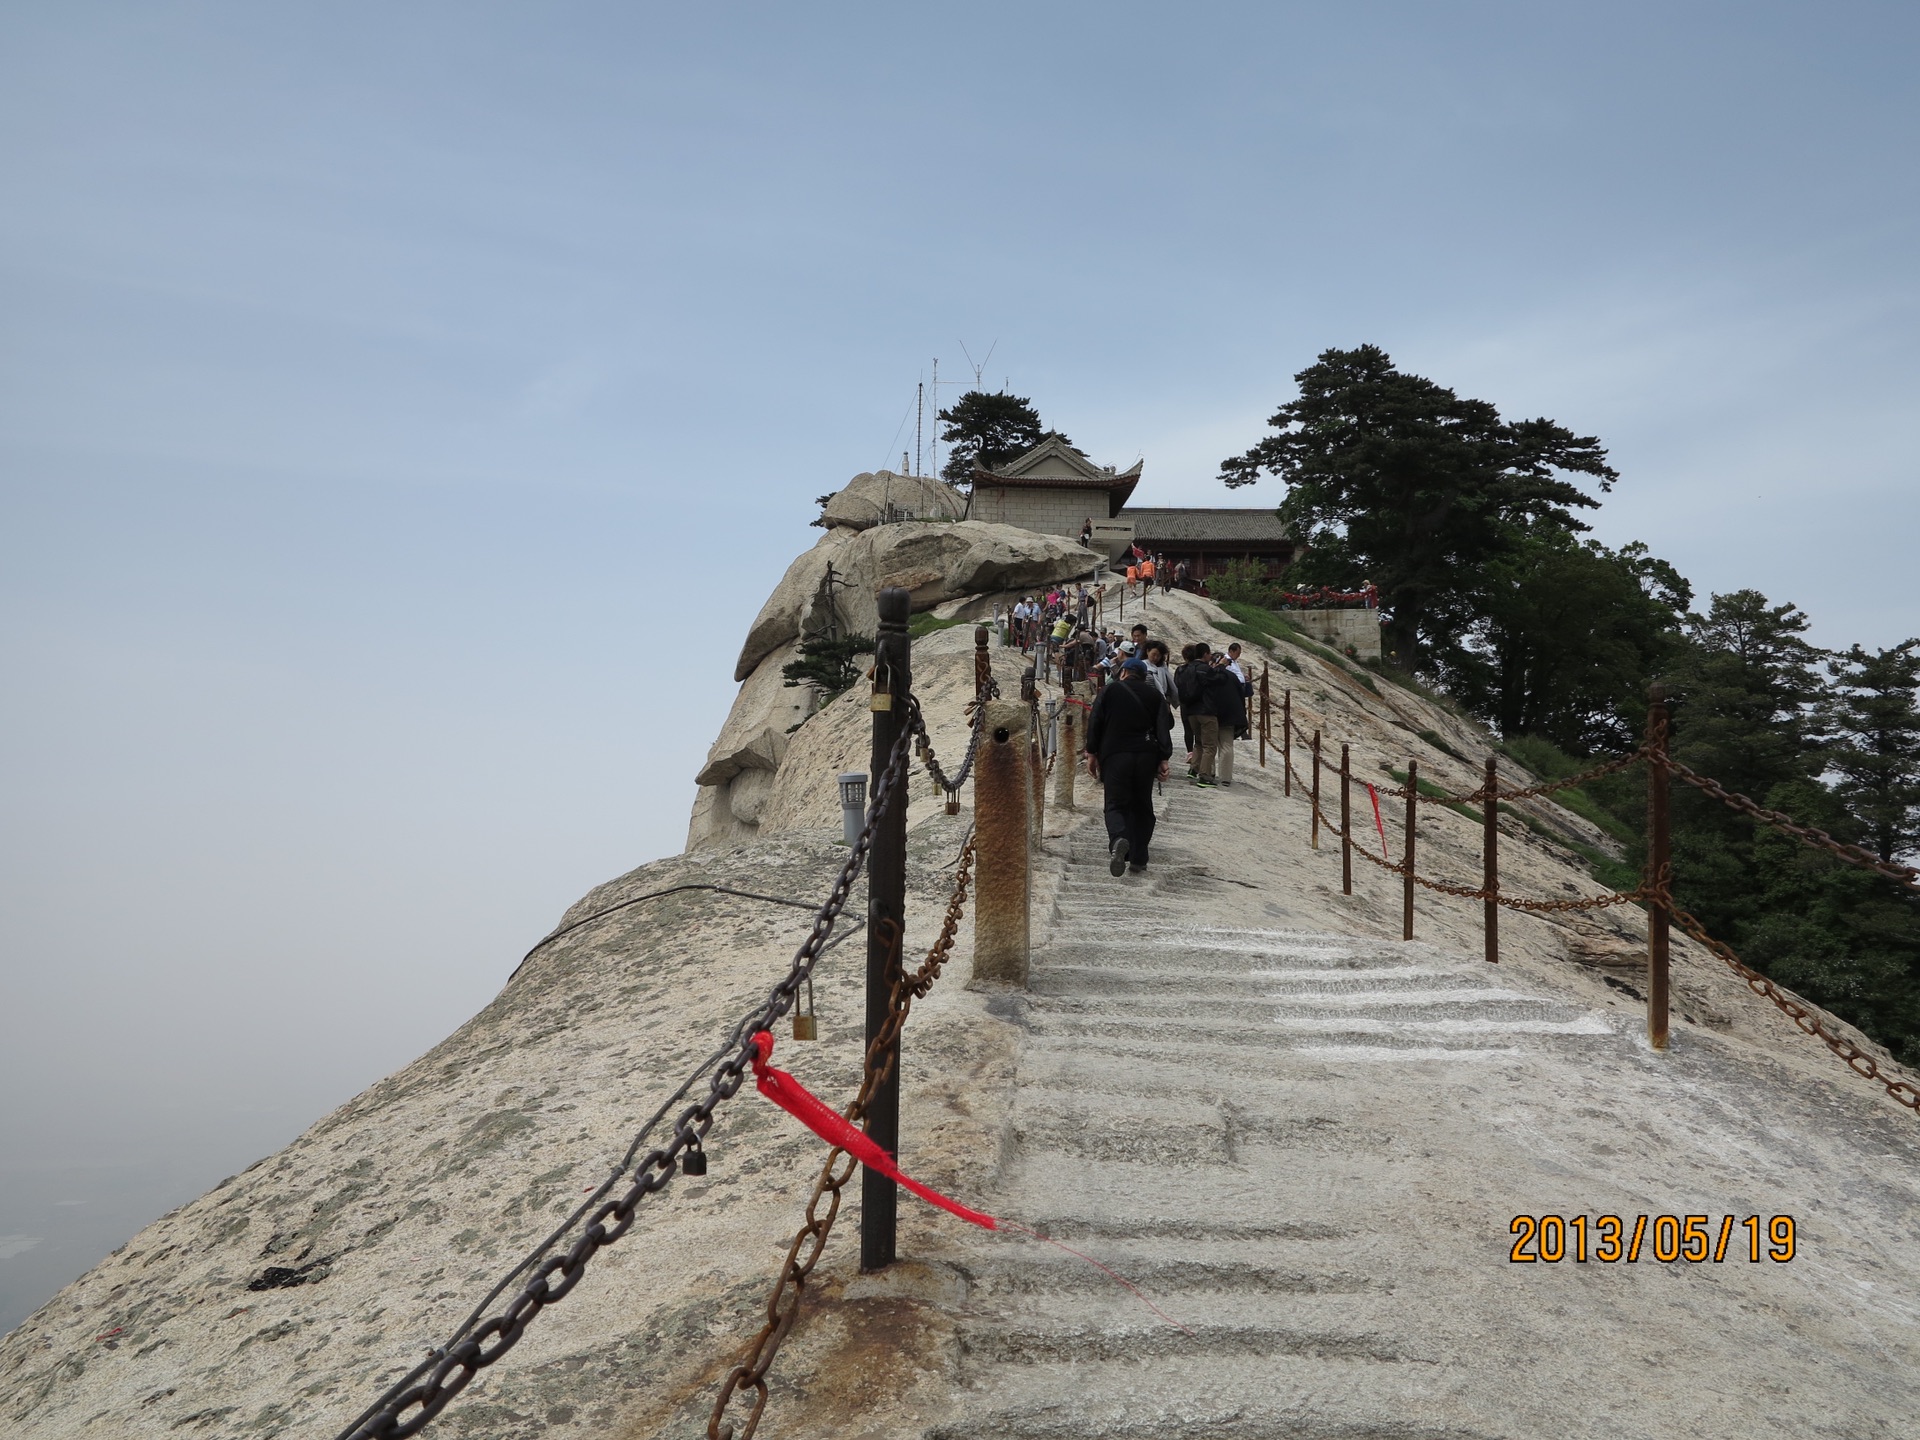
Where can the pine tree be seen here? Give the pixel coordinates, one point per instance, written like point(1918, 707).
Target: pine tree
point(1876, 753)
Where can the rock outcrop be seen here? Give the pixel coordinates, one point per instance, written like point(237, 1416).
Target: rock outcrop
point(1232, 1083)
point(871, 499)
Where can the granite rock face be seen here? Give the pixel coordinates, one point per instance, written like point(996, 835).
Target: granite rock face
point(868, 498)
point(1231, 1082)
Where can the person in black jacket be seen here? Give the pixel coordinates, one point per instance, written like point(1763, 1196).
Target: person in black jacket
point(1129, 741)
point(1210, 702)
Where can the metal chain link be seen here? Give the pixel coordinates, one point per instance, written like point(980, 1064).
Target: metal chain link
point(412, 1402)
point(783, 1304)
point(924, 742)
point(1904, 875)
point(1804, 1017)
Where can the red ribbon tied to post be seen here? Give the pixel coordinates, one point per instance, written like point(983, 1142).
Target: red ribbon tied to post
point(1378, 824)
point(790, 1095)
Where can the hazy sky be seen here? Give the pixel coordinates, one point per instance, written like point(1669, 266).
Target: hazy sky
point(404, 409)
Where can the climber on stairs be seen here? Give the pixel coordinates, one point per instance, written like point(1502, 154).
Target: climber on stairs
point(1129, 741)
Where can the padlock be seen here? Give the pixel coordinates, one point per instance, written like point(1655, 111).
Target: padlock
point(805, 1025)
point(953, 802)
point(881, 701)
point(694, 1160)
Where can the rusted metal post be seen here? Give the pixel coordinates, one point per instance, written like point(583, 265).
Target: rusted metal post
point(1001, 797)
point(886, 921)
point(1406, 900)
point(1266, 714)
point(1346, 827)
point(982, 663)
point(1490, 862)
point(1316, 789)
point(1660, 868)
point(1072, 728)
point(1036, 775)
point(1286, 742)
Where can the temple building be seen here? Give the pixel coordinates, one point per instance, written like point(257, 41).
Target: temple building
point(1056, 490)
point(1207, 538)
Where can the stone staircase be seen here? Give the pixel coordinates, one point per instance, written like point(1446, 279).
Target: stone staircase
point(1264, 1130)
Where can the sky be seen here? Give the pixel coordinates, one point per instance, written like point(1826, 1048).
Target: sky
point(405, 409)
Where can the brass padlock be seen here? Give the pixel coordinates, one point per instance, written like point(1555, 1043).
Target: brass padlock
point(953, 802)
point(805, 1025)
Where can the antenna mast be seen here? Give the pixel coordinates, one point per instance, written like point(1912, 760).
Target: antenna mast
point(934, 441)
point(919, 413)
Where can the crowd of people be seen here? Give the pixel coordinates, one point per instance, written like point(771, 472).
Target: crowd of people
point(1129, 733)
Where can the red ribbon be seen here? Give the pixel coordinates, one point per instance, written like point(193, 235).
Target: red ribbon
point(791, 1096)
point(1378, 824)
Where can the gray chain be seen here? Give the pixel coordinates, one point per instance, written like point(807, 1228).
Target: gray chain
point(432, 1385)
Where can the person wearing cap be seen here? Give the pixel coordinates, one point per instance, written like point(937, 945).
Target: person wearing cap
point(1129, 742)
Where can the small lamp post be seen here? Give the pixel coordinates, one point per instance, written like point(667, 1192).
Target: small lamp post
point(853, 804)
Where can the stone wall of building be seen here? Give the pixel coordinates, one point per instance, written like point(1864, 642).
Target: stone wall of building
point(1051, 512)
point(1341, 628)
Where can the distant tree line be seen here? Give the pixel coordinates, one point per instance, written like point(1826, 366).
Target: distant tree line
point(1491, 589)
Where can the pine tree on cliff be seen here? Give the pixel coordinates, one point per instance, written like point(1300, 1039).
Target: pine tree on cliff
point(1397, 480)
point(992, 429)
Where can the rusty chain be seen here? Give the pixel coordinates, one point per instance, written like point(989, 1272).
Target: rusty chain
point(783, 1304)
point(923, 742)
point(1657, 890)
point(411, 1403)
point(1903, 875)
point(1528, 792)
point(1803, 1016)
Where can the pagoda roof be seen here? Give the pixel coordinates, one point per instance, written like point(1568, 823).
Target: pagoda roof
point(1257, 526)
point(1053, 464)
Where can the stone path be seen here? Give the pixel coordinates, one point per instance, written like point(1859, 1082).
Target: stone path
point(1307, 1148)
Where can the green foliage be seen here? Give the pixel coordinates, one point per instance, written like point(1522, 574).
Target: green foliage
point(1243, 582)
point(1266, 625)
point(828, 665)
point(924, 624)
point(1433, 738)
point(1564, 638)
point(1876, 745)
point(990, 428)
point(1396, 478)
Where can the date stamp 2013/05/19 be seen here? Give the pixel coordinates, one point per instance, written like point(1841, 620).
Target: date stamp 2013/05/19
point(1610, 1239)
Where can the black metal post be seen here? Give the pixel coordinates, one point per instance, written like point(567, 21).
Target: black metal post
point(1490, 863)
point(1346, 827)
point(1406, 894)
point(886, 922)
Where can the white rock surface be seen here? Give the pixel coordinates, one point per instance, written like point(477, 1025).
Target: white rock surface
point(865, 500)
point(1303, 1139)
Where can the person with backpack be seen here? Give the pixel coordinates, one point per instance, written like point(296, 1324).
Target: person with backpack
point(1129, 742)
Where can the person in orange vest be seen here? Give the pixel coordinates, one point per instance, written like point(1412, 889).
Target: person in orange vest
point(1146, 573)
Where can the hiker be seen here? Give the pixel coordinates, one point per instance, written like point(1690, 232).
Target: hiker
point(1086, 533)
point(1210, 696)
point(1129, 742)
point(1154, 652)
point(1133, 576)
point(1230, 705)
point(1235, 728)
point(1146, 573)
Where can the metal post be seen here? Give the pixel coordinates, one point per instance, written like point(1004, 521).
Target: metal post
point(886, 919)
point(1036, 778)
point(1406, 902)
point(1660, 868)
point(1286, 742)
point(982, 663)
point(1490, 858)
point(1068, 753)
point(1316, 790)
point(1266, 714)
point(1346, 828)
point(1000, 802)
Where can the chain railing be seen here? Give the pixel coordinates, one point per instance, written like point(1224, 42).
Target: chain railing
point(810, 1241)
point(411, 1403)
point(1903, 875)
point(1654, 890)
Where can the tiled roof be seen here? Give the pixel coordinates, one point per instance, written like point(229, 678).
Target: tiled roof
point(1224, 526)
